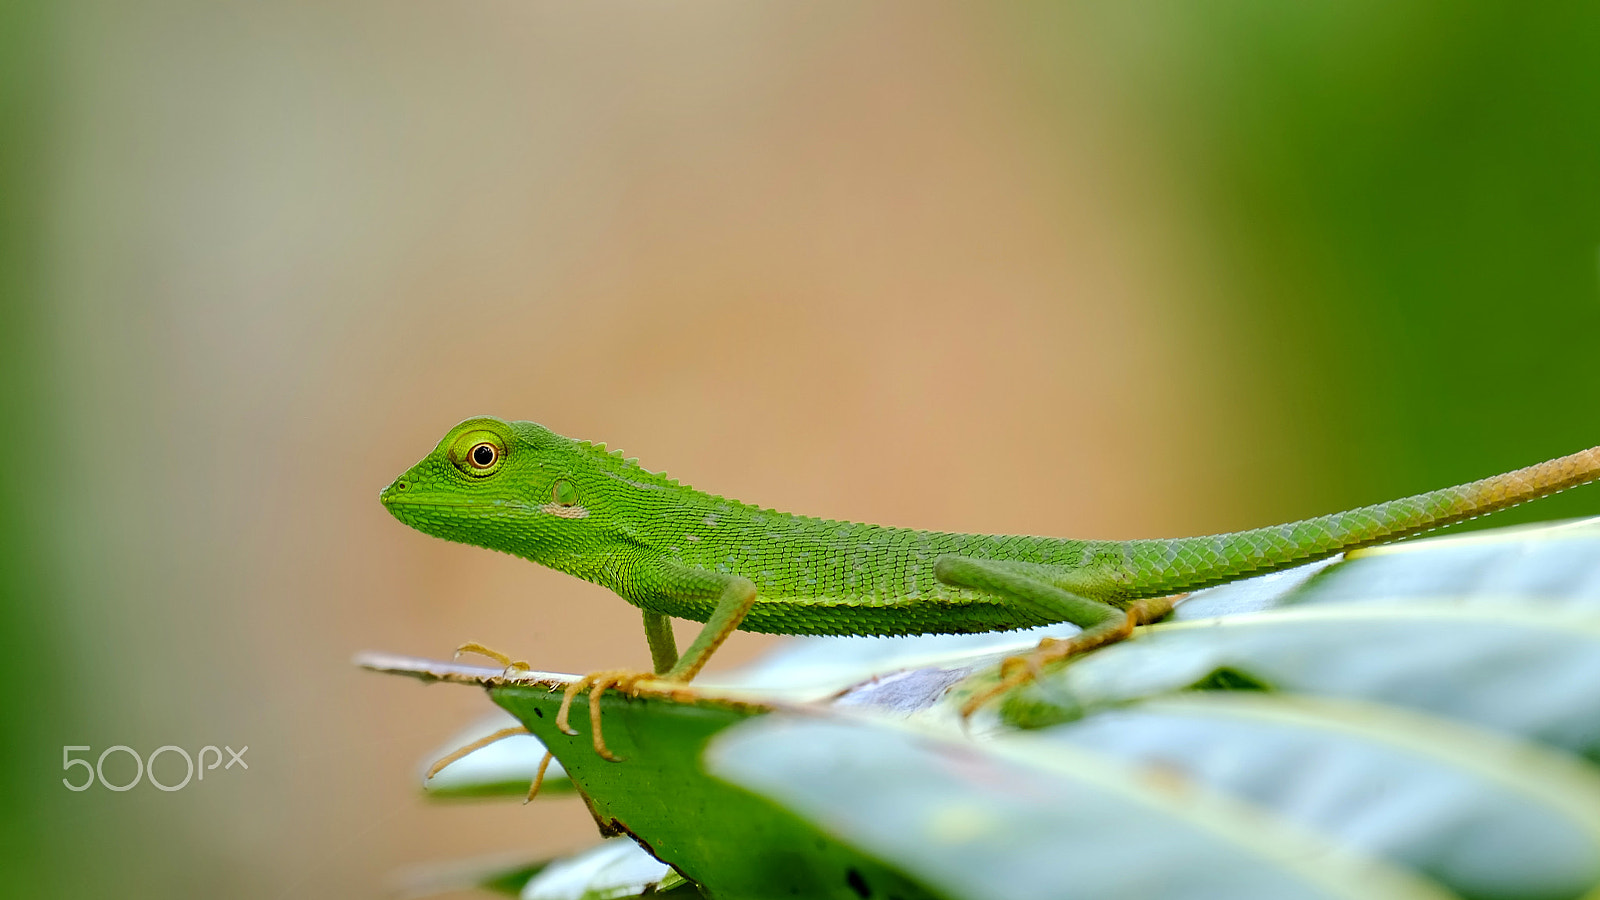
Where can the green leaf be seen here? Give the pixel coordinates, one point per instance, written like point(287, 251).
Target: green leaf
point(1023, 819)
point(727, 839)
point(1486, 815)
point(1499, 667)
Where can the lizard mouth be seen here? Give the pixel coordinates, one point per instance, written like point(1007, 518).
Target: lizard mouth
point(395, 497)
point(410, 503)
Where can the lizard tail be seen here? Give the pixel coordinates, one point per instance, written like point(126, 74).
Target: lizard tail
point(1193, 563)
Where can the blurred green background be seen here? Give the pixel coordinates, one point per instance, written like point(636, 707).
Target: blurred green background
point(1097, 270)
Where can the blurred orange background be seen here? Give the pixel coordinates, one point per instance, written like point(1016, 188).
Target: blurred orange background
point(1076, 270)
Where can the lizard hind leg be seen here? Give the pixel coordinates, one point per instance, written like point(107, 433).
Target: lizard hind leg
point(1102, 623)
point(1016, 671)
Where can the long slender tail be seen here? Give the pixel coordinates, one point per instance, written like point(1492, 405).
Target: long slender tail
point(1191, 563)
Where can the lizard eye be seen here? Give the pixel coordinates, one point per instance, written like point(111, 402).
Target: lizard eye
point(482, 456)
point(563, 493)
point(478, 453)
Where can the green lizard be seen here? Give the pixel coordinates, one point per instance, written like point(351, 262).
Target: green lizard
point(671, 550)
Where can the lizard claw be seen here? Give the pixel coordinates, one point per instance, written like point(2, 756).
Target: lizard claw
point(478, 744)
point(504, 660)
point(1016, 671)
point(597, 683)
point(538, 778)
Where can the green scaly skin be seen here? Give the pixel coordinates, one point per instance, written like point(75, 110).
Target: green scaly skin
point(674, 551)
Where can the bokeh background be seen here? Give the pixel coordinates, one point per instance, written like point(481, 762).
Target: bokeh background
point(1097, 270)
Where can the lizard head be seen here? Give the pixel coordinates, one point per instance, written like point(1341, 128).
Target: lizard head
point(516, 487)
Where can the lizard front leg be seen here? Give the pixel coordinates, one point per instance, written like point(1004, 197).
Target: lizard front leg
point(1102, 623)
point(663, 645)
point(734, 597)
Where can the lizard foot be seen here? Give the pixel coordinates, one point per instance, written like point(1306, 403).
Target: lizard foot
point(596, 683)
point(478, 744)
point(1016, 671)
point(538, 778)
point(486, 740)
point(510, 665)
point(504, 660)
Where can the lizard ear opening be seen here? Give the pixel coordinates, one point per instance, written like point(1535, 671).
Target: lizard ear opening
point(562, 493)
